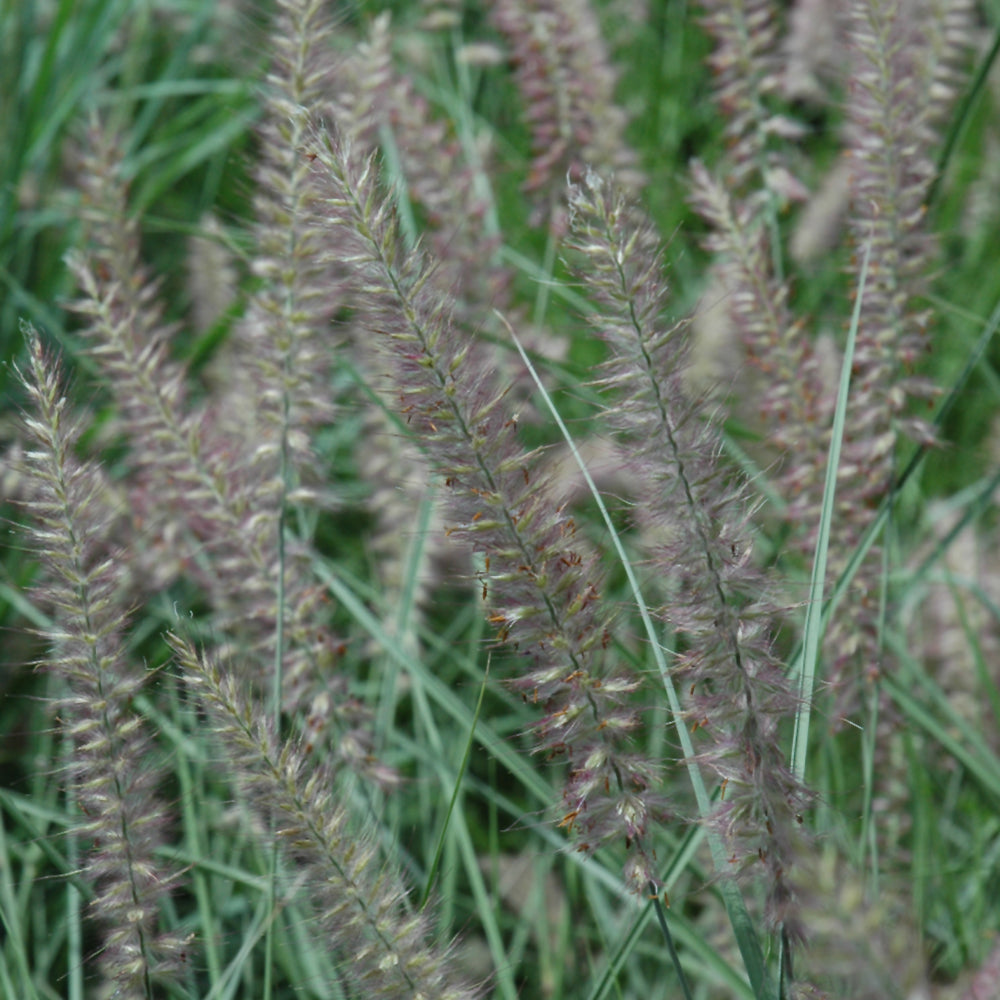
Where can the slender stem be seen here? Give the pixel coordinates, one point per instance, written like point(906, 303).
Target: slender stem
point(661, 917)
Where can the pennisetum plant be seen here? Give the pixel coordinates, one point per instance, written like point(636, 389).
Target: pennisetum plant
point(250, 788)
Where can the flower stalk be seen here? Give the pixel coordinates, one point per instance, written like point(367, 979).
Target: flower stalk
point(715, 599)
point(543, 591)
point(113, 773)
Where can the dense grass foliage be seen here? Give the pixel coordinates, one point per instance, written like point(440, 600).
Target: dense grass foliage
point(500, 499)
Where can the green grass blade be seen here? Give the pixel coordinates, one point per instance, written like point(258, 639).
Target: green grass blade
point(814, 624)
point(463, 767)
point(746, 935)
